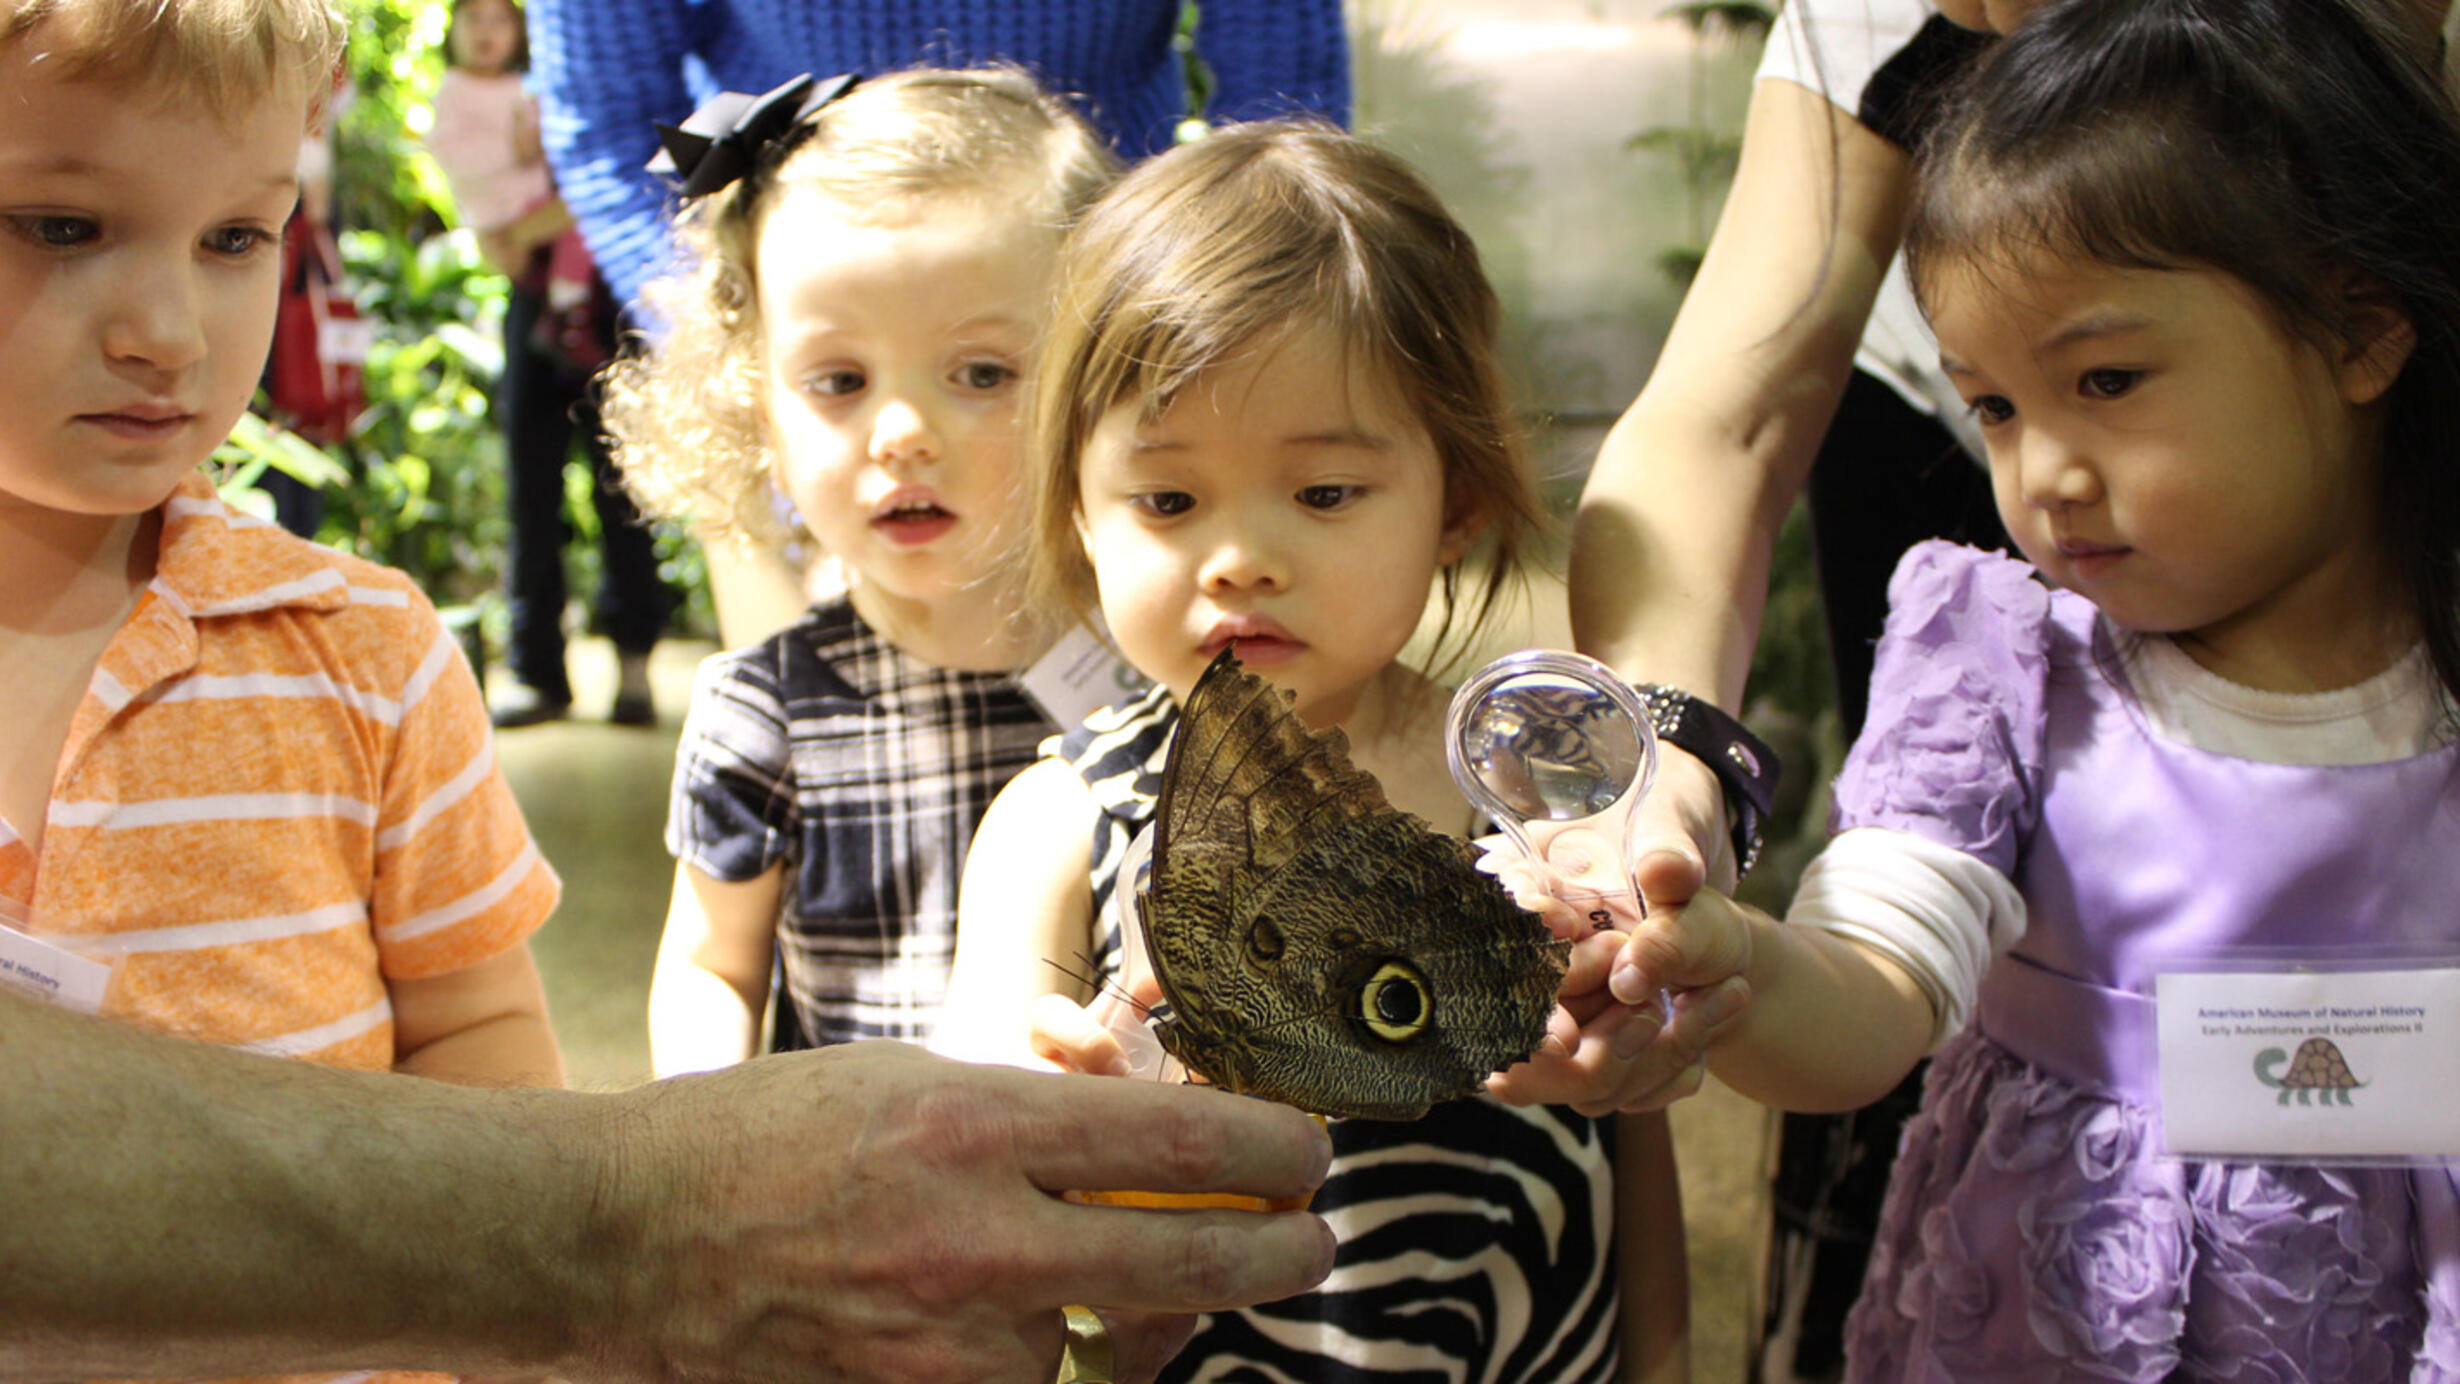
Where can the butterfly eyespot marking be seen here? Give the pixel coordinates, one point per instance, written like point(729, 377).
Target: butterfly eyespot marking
point(1264, 941)
point(1394, 1002)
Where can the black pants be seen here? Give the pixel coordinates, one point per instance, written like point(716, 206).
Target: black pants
point(542, 407)
point(1888, 476)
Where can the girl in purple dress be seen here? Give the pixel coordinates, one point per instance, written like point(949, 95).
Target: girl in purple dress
point(2195, 266)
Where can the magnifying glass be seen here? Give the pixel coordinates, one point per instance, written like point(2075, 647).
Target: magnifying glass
point(1559, 751)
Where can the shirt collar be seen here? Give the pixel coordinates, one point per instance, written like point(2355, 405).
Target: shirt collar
point(214, 560)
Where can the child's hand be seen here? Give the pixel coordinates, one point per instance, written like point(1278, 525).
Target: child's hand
point(1604, 1055)
point(1075, 1038)
point(1702, 944)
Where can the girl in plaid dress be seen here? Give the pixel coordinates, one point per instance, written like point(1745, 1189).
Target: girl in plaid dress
point(869, 280)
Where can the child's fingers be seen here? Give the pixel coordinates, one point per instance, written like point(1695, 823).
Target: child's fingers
point(1590, 961)
point(1699, 944)
point(1597, 1076)
point(1636, 1064)
point(1072, 1037)
point(1704, 1014)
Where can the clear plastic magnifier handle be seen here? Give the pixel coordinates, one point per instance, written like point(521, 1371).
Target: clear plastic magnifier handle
point(1146, 1058)
point(1558, 751)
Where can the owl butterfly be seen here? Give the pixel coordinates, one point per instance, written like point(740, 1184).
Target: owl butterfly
point(1317, 946)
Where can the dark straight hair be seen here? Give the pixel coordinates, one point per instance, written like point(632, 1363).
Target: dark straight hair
point(2290, 144)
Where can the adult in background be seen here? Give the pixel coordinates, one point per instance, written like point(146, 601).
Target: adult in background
point(558, 328)
point(606, 70)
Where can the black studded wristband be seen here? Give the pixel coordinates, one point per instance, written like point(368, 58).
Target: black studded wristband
point(1744, 765)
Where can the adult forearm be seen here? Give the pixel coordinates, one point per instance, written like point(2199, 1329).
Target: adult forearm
point(1672, 546)
point(864, 1214)
point(177, 1209)
point(1677, 524)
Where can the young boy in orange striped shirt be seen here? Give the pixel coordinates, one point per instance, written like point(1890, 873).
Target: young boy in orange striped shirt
point(252, 775)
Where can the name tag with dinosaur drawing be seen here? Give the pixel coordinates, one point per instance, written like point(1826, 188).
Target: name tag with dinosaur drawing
point(2310, 1065)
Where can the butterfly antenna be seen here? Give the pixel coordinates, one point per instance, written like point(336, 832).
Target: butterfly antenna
point(1092, 980)
point(1085, 978)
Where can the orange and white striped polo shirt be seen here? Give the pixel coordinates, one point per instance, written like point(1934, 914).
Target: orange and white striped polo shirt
point(279, 791)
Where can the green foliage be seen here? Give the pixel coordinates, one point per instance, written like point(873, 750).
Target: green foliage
point(1706, 155)
point(1198, 77)
point(429, 496)
point(419, 484)
point(1680, 264)
point(1789, 666)
point(384, 182)
point(1726, 19)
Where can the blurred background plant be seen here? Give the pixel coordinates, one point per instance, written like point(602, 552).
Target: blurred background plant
point(419, 482)
point(1792, 697)
point(1705, 150)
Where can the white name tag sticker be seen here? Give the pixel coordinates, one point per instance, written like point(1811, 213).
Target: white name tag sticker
point(1079, 676)
point(345, 340)
point(2310, 1065)
point(48, 972)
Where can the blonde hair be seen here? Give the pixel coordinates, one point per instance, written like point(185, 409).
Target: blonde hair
point(685, 414)
point(220, 55)
point(1238, 240)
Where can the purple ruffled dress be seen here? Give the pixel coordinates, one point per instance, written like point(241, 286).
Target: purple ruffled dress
point(2032, 1231)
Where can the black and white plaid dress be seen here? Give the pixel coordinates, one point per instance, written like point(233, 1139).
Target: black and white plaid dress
point(1477, 1243)
point(866, 771)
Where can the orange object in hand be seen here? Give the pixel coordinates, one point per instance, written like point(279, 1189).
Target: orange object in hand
point(1198, 1201)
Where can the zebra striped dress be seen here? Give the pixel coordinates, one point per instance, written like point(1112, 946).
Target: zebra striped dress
point(1476, 1243)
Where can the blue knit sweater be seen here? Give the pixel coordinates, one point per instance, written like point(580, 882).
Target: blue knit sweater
point(606, 69)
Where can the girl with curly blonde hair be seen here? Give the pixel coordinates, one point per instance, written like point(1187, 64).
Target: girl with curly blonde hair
point(869, 280)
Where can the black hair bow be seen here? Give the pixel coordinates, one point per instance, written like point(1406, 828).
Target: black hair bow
point(725, 139)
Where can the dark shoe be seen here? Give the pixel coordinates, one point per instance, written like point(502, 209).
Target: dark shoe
point(632, 704)
point(527, 706)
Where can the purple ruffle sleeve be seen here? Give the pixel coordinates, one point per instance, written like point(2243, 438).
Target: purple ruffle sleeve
point(1952, 749)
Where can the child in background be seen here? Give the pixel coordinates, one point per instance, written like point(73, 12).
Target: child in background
point(1272, 412)
point(2193, 267)
point(252, 774)
point(866, 302)
point(558, 327)
point(486, 139)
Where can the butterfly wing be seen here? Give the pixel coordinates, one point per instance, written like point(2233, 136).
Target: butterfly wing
point(1317, 946)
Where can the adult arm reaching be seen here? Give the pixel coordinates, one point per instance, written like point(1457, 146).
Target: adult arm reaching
point(1679, 519)
point(865, 1213)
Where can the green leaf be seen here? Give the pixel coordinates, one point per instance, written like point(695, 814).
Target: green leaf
point(470, 348)
point(287, 452)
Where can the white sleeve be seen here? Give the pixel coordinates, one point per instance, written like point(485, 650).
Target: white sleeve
point(1834, 46)
point(1932, 909)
